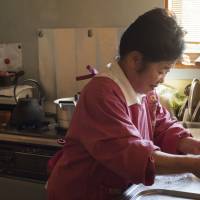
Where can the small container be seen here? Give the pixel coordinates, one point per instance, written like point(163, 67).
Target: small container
point(65, 110)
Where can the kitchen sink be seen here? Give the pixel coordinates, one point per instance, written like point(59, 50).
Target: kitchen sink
point(166, 187)
point(153, 194)
point(188, 124)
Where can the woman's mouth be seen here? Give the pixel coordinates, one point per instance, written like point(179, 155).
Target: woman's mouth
point(153, 86)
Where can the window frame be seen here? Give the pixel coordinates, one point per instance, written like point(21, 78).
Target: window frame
point(181, 65)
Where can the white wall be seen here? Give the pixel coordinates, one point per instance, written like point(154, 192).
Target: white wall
point(20, 20)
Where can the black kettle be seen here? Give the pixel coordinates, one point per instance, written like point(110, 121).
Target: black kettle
point(28, 111)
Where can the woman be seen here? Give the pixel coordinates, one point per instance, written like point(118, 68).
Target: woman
point(120, 134)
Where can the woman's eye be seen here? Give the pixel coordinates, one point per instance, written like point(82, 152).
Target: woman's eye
point(163, 72)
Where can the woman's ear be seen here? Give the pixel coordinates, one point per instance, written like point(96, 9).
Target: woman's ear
point(136, 60)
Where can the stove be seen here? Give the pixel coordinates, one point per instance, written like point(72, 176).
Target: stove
point(46, 131)
point(25, 153)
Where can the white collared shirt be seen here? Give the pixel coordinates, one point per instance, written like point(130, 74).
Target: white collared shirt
point(114, 72)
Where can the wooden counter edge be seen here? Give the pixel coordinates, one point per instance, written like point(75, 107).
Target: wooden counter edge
point(29, 139)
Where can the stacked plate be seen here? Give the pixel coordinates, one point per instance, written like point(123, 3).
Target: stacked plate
point(194, 101)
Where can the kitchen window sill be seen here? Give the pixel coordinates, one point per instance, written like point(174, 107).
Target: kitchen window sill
point(190, 66)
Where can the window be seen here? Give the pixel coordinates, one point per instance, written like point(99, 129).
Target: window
point(188, 15)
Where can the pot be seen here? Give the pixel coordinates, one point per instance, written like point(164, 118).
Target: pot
point(8, 78)
point(65, 110)
point(28, 111)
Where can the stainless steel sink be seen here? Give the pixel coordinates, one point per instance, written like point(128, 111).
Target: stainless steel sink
point(164, 194)
point(191, 124)
point(168, 187)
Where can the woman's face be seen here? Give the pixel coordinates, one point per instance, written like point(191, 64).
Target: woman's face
point(150, 77)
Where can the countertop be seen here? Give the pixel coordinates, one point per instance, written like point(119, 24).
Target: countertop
point(28, 139)
point(195, 132)
point(49, 138)
point(52, 139)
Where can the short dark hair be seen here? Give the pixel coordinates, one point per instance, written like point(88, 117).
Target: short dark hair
point(156, 35)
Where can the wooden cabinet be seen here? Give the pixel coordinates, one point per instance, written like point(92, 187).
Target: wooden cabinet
point(21, 189)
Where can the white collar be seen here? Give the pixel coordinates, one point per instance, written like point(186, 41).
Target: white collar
point(114, 72)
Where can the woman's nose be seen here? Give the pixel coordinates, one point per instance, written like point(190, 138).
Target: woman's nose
point(162, 78)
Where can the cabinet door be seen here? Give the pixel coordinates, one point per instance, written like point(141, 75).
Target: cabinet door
point(107, 40)
point(85, 53)
point(21, 189)
point(57, 62)
point(65, 53)
point(65, 62)
point(96, 47)
point(46, 63)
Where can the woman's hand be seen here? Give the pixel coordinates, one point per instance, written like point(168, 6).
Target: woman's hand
point(189, 145)
point(196, 167)
point(170, 163)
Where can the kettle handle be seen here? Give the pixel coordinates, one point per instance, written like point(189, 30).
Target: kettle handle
point(41, 92)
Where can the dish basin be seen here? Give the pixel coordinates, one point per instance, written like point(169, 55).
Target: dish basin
point(167, 187)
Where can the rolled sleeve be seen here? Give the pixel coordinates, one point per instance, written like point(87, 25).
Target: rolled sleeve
point(150, 172)
point(168, 132)
point(130, 158)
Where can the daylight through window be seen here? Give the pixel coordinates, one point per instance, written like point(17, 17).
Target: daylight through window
point(188, 15)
